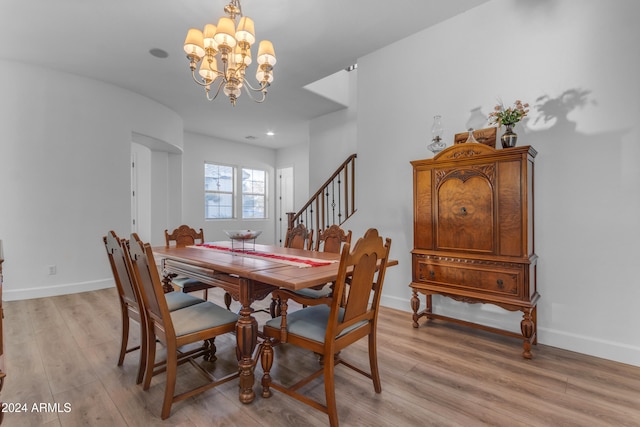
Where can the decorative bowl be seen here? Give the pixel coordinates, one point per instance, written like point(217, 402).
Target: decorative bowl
point(242, 234)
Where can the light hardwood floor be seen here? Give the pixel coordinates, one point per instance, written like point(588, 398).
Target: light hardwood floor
point(63, 350)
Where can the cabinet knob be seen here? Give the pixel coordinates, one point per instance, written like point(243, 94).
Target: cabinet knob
point(432, 274)
point(463, 210)
point(500, 283)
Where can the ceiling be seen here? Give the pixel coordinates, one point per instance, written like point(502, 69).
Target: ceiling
point(109, 40)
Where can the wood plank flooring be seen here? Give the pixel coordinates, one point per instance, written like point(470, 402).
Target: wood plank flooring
point(63, 350)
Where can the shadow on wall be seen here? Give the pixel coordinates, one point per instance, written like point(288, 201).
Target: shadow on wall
point(555, 111)
point(582, 184)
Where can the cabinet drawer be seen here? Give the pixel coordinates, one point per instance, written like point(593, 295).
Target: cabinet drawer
point(480, 276)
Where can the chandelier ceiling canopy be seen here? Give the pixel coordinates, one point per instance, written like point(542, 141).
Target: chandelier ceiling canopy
point(223, 52)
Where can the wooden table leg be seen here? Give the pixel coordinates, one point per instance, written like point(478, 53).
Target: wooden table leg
point(247, 337)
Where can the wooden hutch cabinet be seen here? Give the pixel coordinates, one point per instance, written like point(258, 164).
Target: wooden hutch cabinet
point(473, 233)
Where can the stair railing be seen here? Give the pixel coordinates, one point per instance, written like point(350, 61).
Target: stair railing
point(333, 203)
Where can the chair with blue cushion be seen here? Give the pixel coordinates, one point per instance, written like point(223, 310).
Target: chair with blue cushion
point(329, 240)
point(332, 238)
point(175, 329)
point(328, 325)
point(180, 237)
point(130, 300)
point(187, 236)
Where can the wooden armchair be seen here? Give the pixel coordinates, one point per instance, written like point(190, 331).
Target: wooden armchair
point(131, 301)
point(299, 238)
point(200, 322)
point(326, 327)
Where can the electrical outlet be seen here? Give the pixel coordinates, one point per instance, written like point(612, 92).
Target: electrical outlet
point(52, 270)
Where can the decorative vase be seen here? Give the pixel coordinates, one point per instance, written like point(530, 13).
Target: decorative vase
point(509, 138)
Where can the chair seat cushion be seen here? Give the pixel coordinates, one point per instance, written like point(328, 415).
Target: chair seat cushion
point(311, 322)
point(188, 284)
point(315, 293)
point(178, 300)
point(201, 316)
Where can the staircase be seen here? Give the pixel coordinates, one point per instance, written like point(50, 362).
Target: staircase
point(333, 203)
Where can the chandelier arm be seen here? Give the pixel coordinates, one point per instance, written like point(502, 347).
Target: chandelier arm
point(202, 82)
point(259, 101)
point(262, 87)
point(217, 91)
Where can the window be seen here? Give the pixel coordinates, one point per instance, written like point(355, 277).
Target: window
point(254, 195)
point(218, 191)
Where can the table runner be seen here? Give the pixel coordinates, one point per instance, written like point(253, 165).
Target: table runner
point(302, 262)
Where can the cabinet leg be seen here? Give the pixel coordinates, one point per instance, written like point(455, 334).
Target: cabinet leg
point(415, 306)
point(528, 328)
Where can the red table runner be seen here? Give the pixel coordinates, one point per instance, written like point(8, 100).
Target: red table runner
point(300, 261)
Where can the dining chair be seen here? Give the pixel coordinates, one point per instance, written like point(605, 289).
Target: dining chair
point(200, 322)
point(330, 240)
point(187, 236)
point(299, 238)
point(326, 326)
point(180, 237)
point(131, 301)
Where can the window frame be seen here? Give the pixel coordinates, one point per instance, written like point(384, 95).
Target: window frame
point(232, 193)
point(237, 192)
point(263, 194)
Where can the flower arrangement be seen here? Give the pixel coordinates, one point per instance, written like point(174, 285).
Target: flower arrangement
point(508, 116)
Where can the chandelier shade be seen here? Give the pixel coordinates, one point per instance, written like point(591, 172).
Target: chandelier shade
point(224, 53)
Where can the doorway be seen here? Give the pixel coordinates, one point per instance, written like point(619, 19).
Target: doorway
point(284, 201)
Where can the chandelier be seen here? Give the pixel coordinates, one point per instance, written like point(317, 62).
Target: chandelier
point(224, 54)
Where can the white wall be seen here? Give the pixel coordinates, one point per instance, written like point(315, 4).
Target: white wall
point(577, 61)
point(197, 150)
point(334, 138)
point(65, 151)
point(297, 157)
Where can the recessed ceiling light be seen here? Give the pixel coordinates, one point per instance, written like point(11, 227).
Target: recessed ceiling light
point(158, 53)
point(270, 133)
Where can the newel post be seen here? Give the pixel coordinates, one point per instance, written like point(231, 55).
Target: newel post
point(290, 216)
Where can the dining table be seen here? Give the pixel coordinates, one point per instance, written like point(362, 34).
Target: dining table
point(249, 272)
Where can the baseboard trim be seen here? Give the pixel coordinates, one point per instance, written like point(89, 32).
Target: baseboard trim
point(592, 346)
point(51, 291)
point(610, 350)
